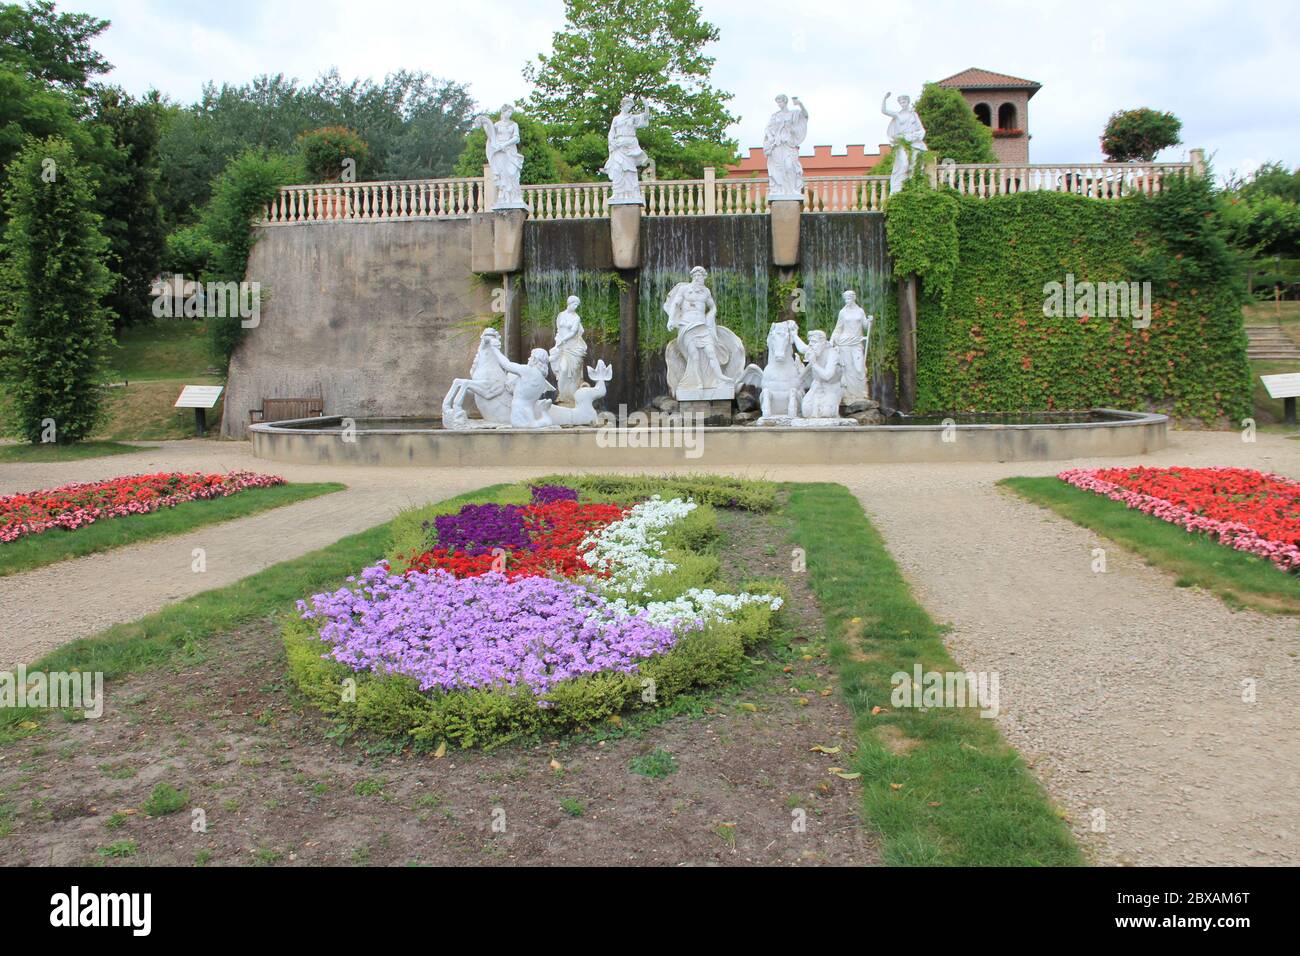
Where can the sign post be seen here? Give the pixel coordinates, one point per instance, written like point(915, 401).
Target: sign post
point(200, 398)
point(1285, 387)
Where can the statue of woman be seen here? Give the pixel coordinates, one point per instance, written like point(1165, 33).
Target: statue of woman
point(693, 315)
point(626, 156)
point(785, 131)
point(850, 339)
point(907, 134)
point(569, 352)
point(504, 158)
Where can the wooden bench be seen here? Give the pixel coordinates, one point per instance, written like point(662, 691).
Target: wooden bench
point(284, 409)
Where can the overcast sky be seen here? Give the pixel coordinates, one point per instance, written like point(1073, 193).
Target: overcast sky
point(1227, 69)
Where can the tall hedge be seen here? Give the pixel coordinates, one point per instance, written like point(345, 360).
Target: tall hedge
point(985, 344)
point(52, 289)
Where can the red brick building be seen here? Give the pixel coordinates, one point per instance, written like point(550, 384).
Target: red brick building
point(854, 161)
point(1000, 102)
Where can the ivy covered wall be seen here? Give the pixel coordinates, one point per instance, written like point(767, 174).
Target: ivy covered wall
point(985, 267)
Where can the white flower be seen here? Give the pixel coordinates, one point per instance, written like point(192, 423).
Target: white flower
point(696, 607)
point(631, 549)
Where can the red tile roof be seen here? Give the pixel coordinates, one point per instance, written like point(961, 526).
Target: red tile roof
point(977, 79)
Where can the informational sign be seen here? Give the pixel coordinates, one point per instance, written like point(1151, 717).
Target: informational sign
point(199, 396)
point(1282, 386)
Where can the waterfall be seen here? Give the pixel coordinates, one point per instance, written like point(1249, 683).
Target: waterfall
point(570, 257)
point(839, 251)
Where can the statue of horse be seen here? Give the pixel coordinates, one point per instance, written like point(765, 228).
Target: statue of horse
point(779, 380)
point(491, 386)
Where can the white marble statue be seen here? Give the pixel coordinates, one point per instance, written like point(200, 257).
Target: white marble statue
point(491, 386)
point(569, 351)
point(583, 411)
point(821, 379)
point(851, 338)
point(706, 359)
point(785, 131)
point(907, 135)
point(504, 158)
point(780, 381)
point(626, 156)
point(529, 408)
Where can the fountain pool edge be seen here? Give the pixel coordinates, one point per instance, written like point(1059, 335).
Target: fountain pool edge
point(326, 442)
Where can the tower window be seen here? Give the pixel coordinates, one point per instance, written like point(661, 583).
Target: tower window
point(1007, 116)
point(984, 114)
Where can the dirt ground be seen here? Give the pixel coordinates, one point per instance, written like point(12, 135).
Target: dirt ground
point(276, 786)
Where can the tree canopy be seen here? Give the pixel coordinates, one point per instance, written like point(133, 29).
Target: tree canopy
point(652, 50)
point(1137, 135)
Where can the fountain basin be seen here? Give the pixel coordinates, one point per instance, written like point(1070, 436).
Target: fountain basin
point(1095, 433)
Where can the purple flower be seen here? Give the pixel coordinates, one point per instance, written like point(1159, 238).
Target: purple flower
point(477, 529)
point(453, 634)
point(549, 494)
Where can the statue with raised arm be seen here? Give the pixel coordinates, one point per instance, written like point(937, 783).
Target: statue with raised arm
point(705, 359)
point(907, 135)
point(850, 339)
point(528, 408)
point(569, 352)
point(785, 131)
point(504, 158)
point(626, 156)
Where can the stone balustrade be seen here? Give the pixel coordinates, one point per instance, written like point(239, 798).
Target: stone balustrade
point(461, 197)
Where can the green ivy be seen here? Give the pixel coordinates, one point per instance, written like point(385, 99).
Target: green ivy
point(984, 342)
point(547, 293)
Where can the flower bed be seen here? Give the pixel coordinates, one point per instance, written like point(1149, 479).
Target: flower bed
point(1247, 510)
point(514, 616)
point(74, 506)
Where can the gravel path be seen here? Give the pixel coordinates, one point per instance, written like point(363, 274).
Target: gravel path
point(1123, 692)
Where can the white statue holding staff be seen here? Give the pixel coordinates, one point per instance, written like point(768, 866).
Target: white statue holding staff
point(705, 358)
point(785, 131)
point(626, 156)
point(504, 158)
point(908, 136)
point(569, 352)
point(851, 339)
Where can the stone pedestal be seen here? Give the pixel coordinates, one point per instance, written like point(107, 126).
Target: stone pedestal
point(497, 240)
point(625, 234)
point(714, 412)
point(785, 230)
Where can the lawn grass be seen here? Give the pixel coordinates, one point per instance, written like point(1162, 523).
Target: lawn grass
point(23, 452)
point(161, 349)
point(940, 785)
point(1238, 578)
point(1270, 313)
point(179, 631)
point(38, 550)
point(143, 410)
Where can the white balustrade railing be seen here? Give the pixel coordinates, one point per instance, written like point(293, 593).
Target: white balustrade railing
point(452, 198)
point(1095, 180)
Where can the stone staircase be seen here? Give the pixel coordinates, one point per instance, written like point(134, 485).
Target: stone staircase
point(1270, 343)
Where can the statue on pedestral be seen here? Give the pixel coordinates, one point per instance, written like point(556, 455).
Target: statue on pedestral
point(850, 339)
point(626, 156)
point(907, 135)
point(569, 351)
point(785, 131)
point(504, 158)
point(705, 359)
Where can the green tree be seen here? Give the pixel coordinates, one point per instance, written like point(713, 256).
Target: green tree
point(542, 161)
point(652, 50)
point(53, 286)
point(326, 152)
point(1137, 135)
point(128, 171)
point(51, 47)
point(952, 130)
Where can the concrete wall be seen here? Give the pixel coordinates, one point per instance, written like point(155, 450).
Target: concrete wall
point(376, 318)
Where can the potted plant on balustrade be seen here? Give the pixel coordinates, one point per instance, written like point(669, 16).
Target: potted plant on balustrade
point(333, 154)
